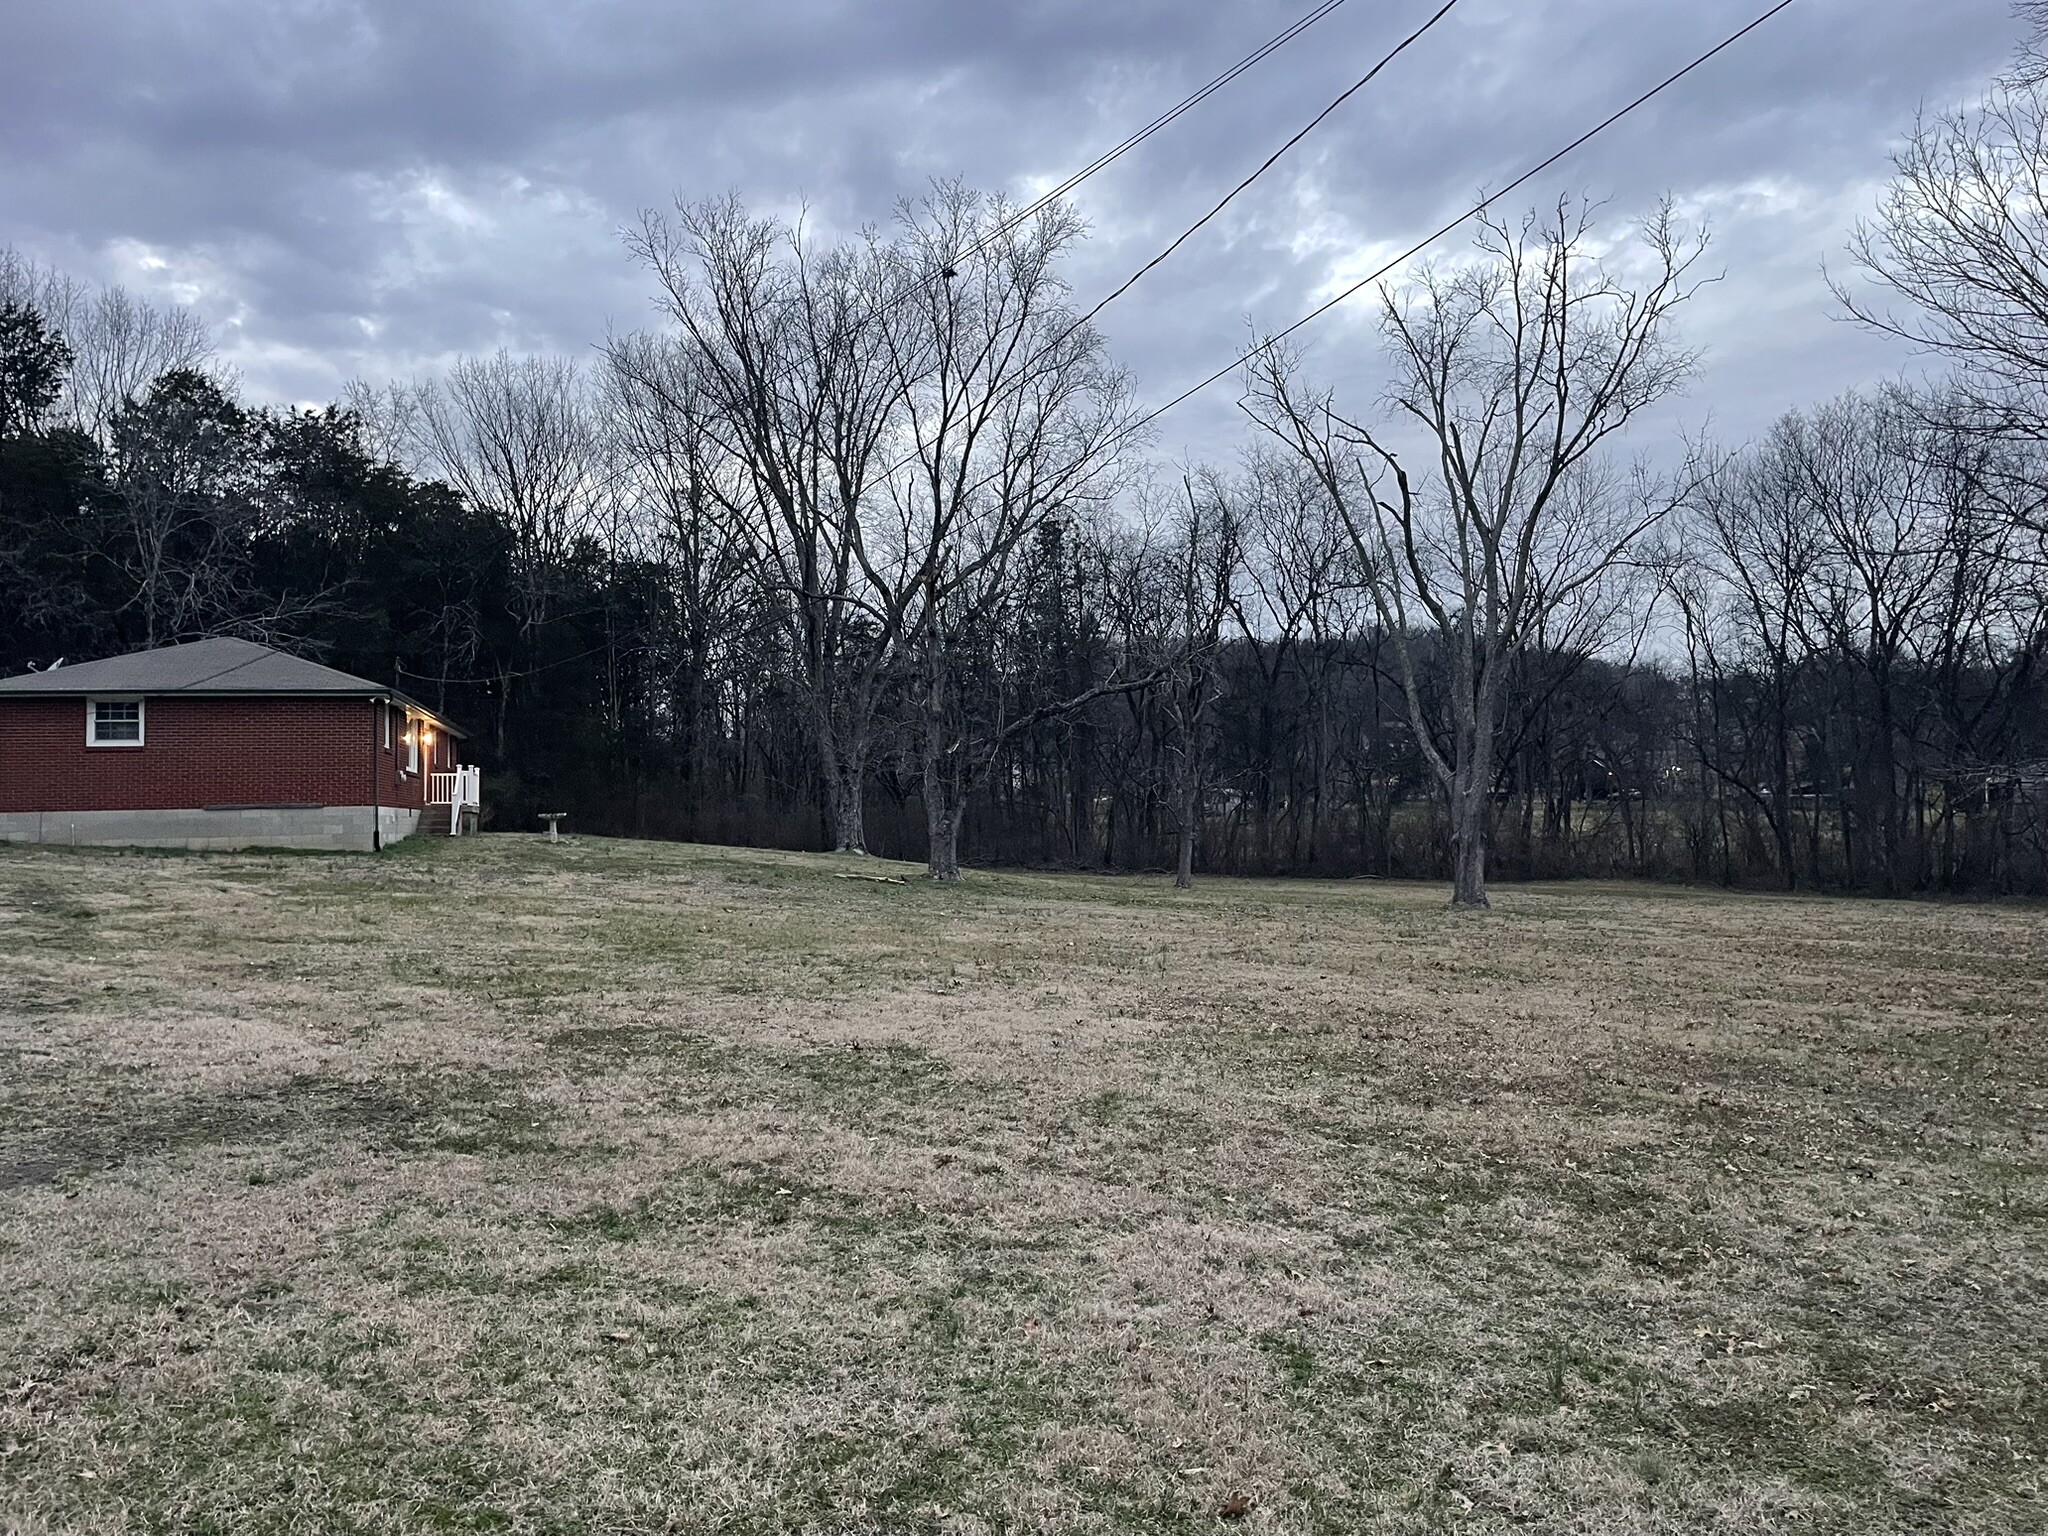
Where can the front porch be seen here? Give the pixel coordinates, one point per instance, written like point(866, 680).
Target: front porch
point(454, 802)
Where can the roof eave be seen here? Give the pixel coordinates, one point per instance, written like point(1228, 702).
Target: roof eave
point(393, 695)
point(432, 714)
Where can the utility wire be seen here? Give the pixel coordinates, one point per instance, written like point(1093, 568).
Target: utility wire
point(1107, 158)
point(1185, 235)
point(1270, 161)
point(1110, 156)
point(1103, 161)
point(1421, 245)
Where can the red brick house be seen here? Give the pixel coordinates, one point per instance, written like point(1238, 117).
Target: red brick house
point(223, 744)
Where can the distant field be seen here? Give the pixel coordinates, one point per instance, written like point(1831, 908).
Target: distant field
point(632, 1188)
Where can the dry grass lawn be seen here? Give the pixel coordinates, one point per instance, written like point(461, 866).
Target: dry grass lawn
point(630, 1188)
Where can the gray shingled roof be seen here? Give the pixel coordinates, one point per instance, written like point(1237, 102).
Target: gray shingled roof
point(220, 666)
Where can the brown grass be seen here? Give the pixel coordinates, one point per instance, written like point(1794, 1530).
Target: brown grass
point(621, 1187)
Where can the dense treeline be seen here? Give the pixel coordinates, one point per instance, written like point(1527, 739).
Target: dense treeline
point(861, 549)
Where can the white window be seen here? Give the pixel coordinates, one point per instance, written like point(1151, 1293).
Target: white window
point(113, 722)
point(412, 745)
point(385, 711)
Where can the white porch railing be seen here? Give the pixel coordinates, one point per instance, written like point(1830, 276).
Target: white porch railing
point(459, 790)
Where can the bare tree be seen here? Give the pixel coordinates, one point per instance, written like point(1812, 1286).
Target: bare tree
point(1201, 562)
point(786, 351)
point(1296, 556)
point(1171, 588)
point(1862, 622)
point(679, 485)
point(1514, 370)
point(387, 418)
point(1960, 245)
point(183, 482)
point(1748, 556)
point(119, 343)
point(1010, 415)
point(520, 439)
point(1873, 495)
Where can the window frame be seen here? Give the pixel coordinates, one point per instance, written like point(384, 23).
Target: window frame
point(412, 745)
point(92, 719)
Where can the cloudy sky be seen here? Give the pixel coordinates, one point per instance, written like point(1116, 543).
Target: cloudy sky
point(368, 187)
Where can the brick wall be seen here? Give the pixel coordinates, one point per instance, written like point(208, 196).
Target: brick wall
point(395, 785)
point(200, 752)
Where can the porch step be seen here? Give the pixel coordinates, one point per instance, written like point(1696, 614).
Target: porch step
point(434, 819)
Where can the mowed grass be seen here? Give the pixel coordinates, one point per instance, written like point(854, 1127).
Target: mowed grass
point(632, 1188)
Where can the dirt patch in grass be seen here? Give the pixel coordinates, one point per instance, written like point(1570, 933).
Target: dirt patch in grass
point(635, 1188)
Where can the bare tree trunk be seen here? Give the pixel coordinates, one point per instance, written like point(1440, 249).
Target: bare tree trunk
point(1468, 860)
point(1470, 794)
point(502, 724)
point(1781, 792)
point(940, 756)
point(942, 822)
point(1190, 808)
point(849, 812)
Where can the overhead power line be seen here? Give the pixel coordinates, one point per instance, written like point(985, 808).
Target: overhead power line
point(1435, 235)
point(1110, 156)
point(1266, 165)
point(1271, 160)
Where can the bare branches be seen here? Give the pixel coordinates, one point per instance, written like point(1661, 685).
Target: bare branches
point(1959, 245)
point(2030, 67)
point(777, 361)
point(518, 438)
point(1862, 625)
point(1513, 372)
point(1006, 409)
point(1009, 415)
point(119, 343)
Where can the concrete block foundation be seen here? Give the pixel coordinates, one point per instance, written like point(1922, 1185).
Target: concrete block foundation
point(325, 828)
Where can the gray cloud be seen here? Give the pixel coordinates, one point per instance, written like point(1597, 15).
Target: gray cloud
point(369, 187)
